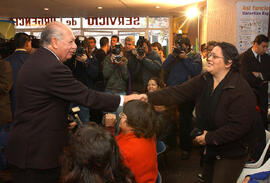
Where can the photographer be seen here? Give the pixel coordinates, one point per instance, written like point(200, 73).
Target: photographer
point(180, 66)
point(84, 68)
point(115, 71)
point(143, 64)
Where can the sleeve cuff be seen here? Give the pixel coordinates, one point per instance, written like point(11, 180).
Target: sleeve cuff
point(121, 100)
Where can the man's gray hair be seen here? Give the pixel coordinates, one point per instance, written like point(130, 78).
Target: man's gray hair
point(51, 30)
point(130, 38)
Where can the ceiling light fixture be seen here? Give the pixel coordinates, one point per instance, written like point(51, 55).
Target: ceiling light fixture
point(192, 12)
point(100, 7)
point(46, 9)
point(157, 7)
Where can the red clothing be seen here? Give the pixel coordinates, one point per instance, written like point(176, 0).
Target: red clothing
point(140, 156)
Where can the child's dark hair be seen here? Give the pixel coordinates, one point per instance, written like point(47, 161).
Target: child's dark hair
point(93, 156)
point(141, 117)
point(158, 81)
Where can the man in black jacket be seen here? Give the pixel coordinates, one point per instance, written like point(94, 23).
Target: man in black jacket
point(100, 54)
point(45, 88)
point(84, 68)
point(255, 67)
point(143, 64)
point(23, 47)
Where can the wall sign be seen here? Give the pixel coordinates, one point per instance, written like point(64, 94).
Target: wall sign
point(89, 22)
point(252, 20)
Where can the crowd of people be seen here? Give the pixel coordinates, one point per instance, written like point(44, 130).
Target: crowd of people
point(215, 98)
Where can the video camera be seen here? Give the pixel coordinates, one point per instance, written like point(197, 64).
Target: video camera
point(80, 42)
point(116, 51)
point(140, 48)
point(73, 116)
point(178, 46)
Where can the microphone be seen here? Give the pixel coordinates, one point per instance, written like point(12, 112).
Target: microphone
point(73, 116)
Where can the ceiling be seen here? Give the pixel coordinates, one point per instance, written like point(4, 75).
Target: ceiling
point(87, 8)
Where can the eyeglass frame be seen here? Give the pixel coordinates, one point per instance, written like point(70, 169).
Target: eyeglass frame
point(213, 55)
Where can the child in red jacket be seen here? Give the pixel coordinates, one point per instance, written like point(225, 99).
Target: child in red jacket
point(137, 142)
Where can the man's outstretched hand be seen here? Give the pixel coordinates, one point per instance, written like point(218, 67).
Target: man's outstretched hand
point(142, 97)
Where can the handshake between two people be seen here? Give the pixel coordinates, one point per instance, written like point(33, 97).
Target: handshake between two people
point(142, 97)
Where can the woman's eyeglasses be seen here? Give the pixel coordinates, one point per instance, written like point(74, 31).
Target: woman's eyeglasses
point(213, 55)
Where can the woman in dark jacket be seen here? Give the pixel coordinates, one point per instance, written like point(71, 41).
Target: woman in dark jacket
point(225, 110)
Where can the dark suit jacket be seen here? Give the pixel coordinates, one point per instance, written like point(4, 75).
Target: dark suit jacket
point(5, 87)
point(44, 87)
point(99, 83)
point(16, 60)
point(250, 64)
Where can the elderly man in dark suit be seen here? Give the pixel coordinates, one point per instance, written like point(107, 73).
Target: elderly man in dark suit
point(44, 88)
point(255, 67)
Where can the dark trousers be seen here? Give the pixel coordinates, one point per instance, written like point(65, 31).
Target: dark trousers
point(262, 99)
point(185, 119)
point(224, 170)
point(35, 175)
point(96, 115)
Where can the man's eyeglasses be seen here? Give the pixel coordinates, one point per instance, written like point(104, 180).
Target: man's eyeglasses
point(213, 55)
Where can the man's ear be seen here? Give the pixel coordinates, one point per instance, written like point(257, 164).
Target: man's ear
point(27, 45)
point(54, 42)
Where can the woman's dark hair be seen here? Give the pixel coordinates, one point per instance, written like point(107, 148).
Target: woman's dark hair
point(141, 117)
point(210, 45)
point(159, 82)
point(230, 53)
point(93, 156)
